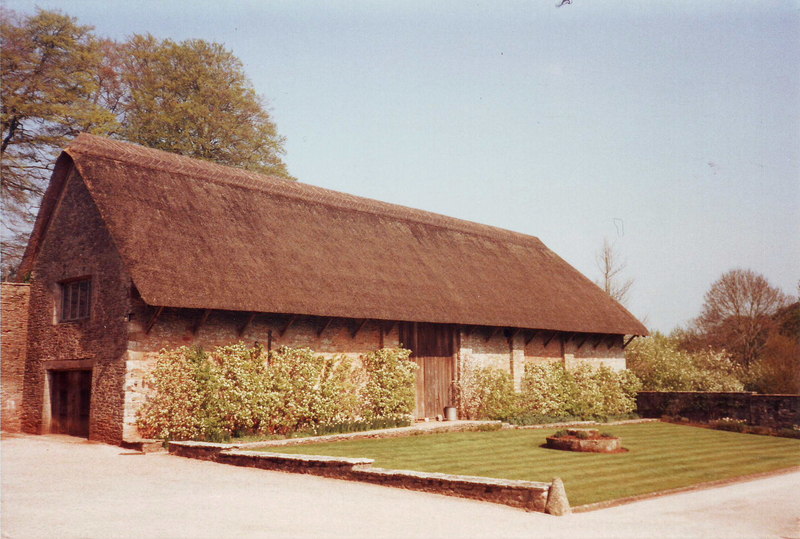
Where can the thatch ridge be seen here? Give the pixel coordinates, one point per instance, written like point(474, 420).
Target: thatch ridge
point(159, 160)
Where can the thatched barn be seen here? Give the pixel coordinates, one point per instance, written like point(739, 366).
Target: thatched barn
point(135, 249)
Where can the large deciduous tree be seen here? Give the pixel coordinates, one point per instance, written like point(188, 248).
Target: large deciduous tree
point(59, 79)
point(193, 98)
point(49, 93)
point(738, 315)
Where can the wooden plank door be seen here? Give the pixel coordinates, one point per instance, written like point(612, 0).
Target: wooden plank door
point(70, 399)
point(431, 348)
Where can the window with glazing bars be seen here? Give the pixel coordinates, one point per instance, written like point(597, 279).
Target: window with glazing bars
point(76, 299)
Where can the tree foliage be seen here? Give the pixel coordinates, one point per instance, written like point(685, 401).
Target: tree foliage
point(59, 79)
point(737, 315)
point(662, 365)
point(777, 370)
point(194, 98)
point(50, 92)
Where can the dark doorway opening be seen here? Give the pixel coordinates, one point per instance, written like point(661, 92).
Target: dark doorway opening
point(70, 398)
point(431, 348)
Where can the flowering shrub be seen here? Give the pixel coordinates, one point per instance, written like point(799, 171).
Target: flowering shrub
point(304, 390)
point(234, 390)
point(234, 381)
point(389, 391)
point(176, 409)
point(618, 390)
point(546, 390)
point(663, 366)
point(585, 394)
point(487, 393)
point(549, 393)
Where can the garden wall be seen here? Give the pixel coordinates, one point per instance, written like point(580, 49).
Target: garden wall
point(528, 495)
point(15, 345)
point(779, 411)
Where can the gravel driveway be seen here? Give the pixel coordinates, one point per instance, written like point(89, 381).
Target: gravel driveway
point(58, 487)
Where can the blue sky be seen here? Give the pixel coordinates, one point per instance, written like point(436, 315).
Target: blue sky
point(670, 128)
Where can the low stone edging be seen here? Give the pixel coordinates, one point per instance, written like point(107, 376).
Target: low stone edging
point(587, 423)
point(528, 495)
point(413, 430)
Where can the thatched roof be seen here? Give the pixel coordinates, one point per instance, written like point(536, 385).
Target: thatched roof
point(198, 235)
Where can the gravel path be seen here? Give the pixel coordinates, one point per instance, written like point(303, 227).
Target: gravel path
point(58, 487)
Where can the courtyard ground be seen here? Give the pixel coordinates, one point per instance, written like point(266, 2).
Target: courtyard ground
point(66, 487)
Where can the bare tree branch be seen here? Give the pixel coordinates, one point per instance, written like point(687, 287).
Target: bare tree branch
point(611, 266)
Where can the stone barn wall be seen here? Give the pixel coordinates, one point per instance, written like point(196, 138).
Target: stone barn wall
point(15, 297)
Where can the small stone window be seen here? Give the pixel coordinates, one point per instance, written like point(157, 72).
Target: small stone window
point(76, 300)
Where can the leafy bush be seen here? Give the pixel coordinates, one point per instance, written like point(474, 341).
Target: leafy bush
point(619, 389)
point(176, 409)
point(524, 418)
point(487, 393)
point(550, 394)
point(585, 396)
point(546, 390)
point(235, 391)
point(740, 425)
point(234, 379)
point(201, 395)
point(389, 391)
point(581, 393)
point(304, 390)
point(663, 366)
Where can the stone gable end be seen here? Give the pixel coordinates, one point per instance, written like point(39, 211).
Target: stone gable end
point(77, 244)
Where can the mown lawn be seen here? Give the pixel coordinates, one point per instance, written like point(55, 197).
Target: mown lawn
point(661, 456)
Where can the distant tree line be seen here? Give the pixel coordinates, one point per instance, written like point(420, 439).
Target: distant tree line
point(59, 79)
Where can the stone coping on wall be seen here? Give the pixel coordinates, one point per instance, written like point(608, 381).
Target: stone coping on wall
point(528, 495)
point(286, 460)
